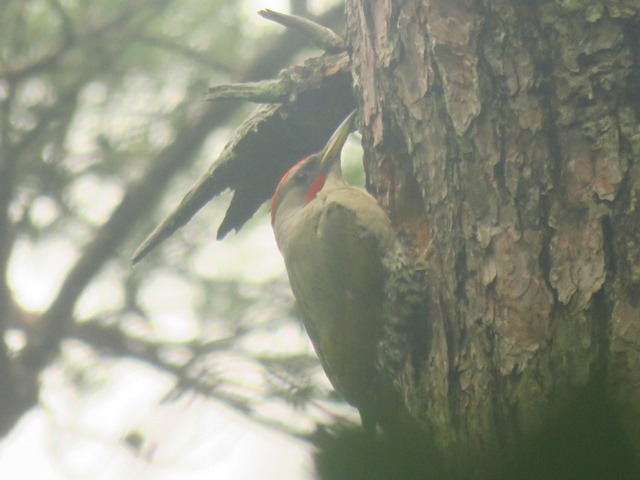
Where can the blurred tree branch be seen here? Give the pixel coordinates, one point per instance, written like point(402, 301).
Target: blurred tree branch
point(96, 47)
point(123, 25)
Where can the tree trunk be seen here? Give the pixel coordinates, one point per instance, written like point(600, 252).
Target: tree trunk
point(503, 137)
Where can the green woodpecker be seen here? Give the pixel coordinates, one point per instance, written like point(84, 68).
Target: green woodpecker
point(333, 238)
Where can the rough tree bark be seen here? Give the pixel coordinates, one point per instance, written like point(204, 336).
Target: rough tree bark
point(504, 137)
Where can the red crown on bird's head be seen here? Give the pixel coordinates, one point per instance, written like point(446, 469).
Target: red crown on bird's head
point(316, 186)
point(324, 157)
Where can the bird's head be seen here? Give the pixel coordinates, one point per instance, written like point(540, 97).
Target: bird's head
point(305, 179)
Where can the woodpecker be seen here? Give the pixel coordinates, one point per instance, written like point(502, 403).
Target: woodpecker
point(333, 238)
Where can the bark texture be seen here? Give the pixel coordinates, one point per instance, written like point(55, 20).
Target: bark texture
point(503, 137)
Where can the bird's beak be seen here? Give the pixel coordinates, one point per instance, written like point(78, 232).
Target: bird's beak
point(331, 152)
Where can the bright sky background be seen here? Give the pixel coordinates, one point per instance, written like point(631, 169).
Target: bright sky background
point(80, 436)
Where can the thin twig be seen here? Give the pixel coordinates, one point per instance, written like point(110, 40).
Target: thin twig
point(322, 37)
point(268, 91)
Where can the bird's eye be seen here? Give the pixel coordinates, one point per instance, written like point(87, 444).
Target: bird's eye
point(301, 177)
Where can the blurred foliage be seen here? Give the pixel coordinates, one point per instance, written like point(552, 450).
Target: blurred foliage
point(92, 96)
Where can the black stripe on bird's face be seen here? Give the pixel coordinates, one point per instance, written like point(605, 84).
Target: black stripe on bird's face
point(303, 181)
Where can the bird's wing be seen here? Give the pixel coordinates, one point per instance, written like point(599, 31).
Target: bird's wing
point(342, 303)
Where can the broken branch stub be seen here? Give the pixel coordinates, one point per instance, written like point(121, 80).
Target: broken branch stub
point(268, 91)
point(266, 145)
point(322, 37)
